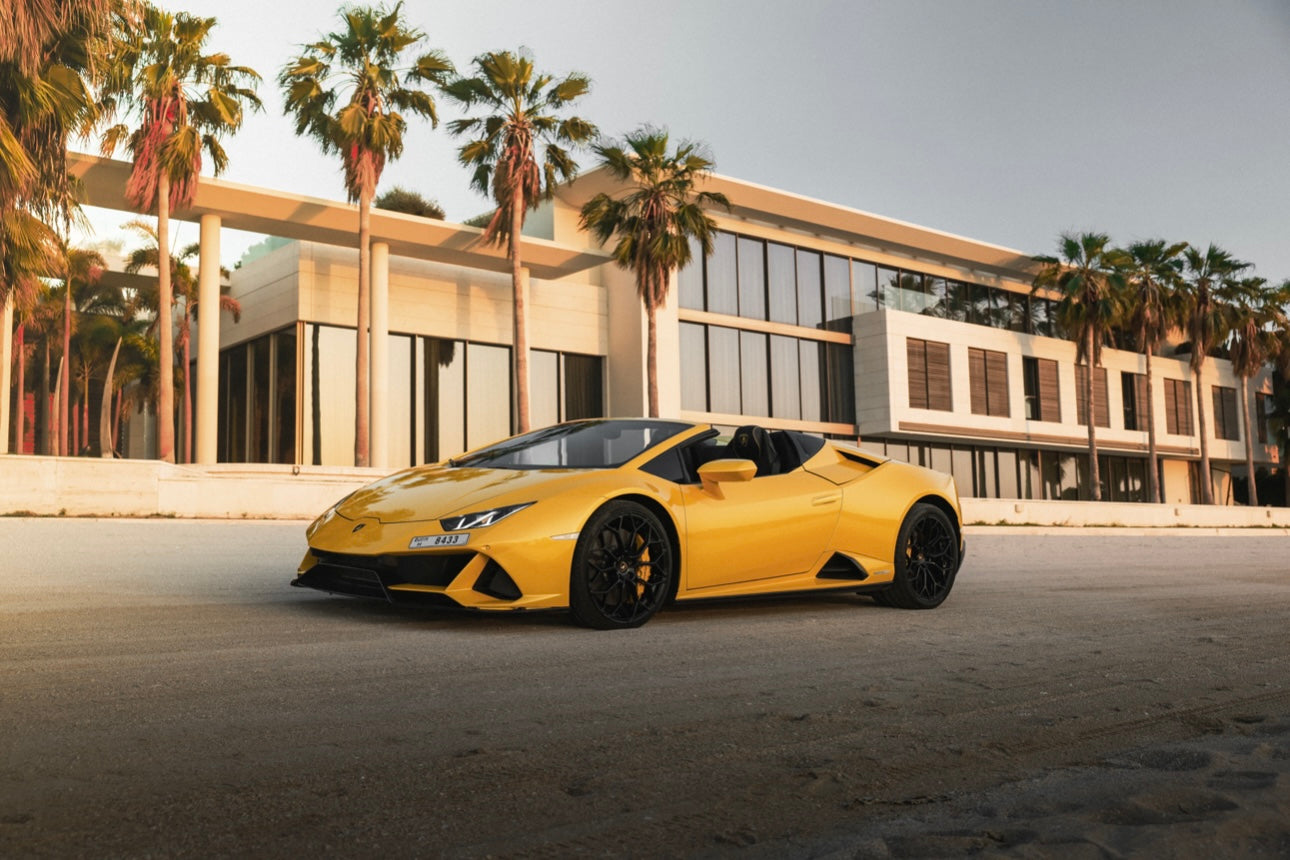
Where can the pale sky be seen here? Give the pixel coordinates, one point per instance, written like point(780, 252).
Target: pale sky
point(1006, 121)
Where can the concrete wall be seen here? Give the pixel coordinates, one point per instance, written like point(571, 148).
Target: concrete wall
point(80, 486)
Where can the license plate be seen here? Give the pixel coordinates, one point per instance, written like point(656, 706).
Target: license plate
point(428, 541)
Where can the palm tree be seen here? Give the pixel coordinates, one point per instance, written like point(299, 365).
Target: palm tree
point(82, 269)
point(345, 92)
point(655, 220)
point(185, 101)
point(1258, 322)
point(1205, 324)
point(1090, 286)
point(521, 112)
point(1151, 271)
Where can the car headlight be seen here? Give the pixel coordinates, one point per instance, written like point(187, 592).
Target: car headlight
point(480, 519)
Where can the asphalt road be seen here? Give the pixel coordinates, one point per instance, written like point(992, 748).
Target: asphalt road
point(163, 692)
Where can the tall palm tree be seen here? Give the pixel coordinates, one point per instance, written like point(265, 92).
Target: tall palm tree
point(655, 220)
point(1258, 321)
point(185, 100)
point(1151, 270)
point(1091, 294)
point(521, 112)
point(345, 92)
point(1204, 320)
point(81, 271)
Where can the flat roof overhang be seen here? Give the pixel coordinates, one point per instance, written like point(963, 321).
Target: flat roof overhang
point(313, 219)
point(793, 211)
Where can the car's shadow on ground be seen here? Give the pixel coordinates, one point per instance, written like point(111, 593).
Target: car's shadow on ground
point(368, 611)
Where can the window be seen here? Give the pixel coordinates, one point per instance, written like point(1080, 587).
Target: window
point(1226, 423)
point(810, 310)
point(1178, 407)
point(781, 277)
point(689, 280)
point(1263, 409)
point(1101, 412)
point(1133, 390)
point(694, 358)
point(752, 278)
point(988, 371)
point(928, 364)
point(1043, 401)
point(723, 275)
point(837, 293)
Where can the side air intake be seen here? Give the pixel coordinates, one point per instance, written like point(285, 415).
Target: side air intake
point(840, 566)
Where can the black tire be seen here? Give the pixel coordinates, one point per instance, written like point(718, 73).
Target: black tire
point(927, 558)
point(623, 568)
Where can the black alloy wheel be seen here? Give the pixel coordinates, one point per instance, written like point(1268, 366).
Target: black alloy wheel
point(927, 558)
point(623, 568)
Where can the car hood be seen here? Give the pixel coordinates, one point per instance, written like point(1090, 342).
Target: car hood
point(431, 492)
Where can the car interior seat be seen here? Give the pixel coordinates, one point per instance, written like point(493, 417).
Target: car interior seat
point(753, 443)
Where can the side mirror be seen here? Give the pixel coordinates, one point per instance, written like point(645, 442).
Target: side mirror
point(723, 471)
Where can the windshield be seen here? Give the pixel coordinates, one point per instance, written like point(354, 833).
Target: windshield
point(580, 445)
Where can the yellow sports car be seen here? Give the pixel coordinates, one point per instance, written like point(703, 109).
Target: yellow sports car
point(612, 519)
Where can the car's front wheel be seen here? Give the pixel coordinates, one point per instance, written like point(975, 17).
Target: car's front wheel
point(623, 567)
point(927, 558)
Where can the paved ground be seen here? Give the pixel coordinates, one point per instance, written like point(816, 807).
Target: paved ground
point(164, 693)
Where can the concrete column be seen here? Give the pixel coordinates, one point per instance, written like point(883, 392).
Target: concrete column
point(206, 420)
point(379, 391)
point(6, 358)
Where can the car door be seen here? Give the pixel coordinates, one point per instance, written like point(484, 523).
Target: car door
point(776, 525)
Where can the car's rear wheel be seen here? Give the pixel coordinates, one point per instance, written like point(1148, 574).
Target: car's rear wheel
point(623, 568)
point(927, 558)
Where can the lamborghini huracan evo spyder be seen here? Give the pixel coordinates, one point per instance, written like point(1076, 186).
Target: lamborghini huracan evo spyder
point(613, 518)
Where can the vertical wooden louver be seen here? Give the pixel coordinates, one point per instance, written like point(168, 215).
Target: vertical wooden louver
point(988, 374)
point(1178, 407)
point(1101, 414)
point(1050, 402)
point(1226, 424)
point(928, 366)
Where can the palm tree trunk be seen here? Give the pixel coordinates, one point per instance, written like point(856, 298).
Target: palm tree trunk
point(44, 407)
point(106, 442)
point(361, 382)
point(651, 349)
point(165, 333)
point(521, 329)
point(1253, 495)
point(1153, 466)
point(1206, 482)
point(65, 372)
point(1094, 472)
point(188, 394)
point(20, 408)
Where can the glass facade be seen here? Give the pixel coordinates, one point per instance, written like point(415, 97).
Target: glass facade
point(1000, 472)
point(737, 372)
point(763, 280)
point(444, 396)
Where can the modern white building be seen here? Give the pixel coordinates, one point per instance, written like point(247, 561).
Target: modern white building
point(921, 345)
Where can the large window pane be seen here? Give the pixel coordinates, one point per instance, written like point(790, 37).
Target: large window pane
point(488, 394)
point(689, 280)
point(813, 376)
point(723, 293)
point(937, 297)
point(261, 395)
point(445, 398)
point(1008, 485)
point(752, 278)
point(694, 367)
point(810, 311)
point(399, 403)
point(233, 384)
point(544, 388)
point(889, 287)
point(913, 295)
point(837, 293)
point(785, 380)
point(864, 283)
point(284, 372)
point(781, 279)
point(329, 414)
point(841, 382)
point(753, 371)
point(723, 370)
point(583, 387)
point(958, 301)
